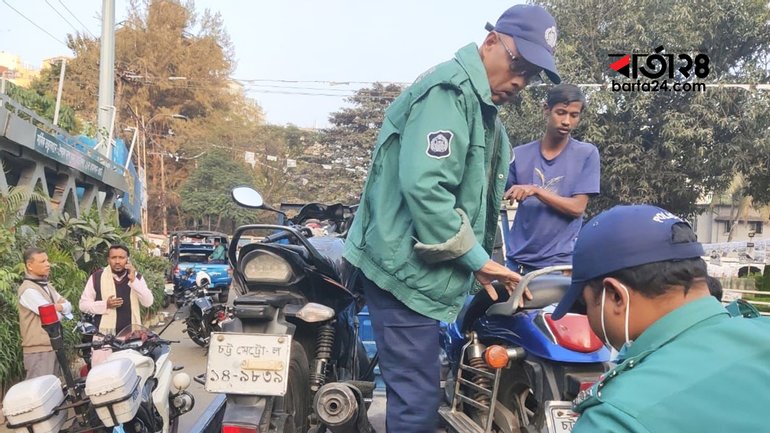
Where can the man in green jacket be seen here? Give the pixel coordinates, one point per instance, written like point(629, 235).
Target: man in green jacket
point(684, 364)
point(429, 210)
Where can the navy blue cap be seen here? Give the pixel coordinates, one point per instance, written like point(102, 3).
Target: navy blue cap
point(533, 30)
point(624, 237)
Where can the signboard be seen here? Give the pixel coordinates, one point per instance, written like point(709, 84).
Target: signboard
point(57, 150)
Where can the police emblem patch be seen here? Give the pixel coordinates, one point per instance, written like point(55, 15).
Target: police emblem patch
point(439, 144)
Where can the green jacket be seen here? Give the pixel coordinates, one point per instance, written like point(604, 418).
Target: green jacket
point(697, 369)
point(429, 209)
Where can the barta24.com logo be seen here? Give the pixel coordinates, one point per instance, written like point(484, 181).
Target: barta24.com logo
point(663, 72)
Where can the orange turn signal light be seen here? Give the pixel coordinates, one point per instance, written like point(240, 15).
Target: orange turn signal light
point(496, 356)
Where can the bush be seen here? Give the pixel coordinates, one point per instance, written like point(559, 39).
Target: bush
point(75, 247)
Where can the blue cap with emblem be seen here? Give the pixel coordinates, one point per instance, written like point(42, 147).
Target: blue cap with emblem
point(624, 237)
point(533, 30)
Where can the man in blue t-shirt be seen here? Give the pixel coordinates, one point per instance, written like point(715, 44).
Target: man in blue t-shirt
point(552, 179)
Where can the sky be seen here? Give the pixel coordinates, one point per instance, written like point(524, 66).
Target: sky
point(306, 43)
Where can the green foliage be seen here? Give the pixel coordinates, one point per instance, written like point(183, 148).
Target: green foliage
point(664, 148)
point(44, 104)
point(75, 247)
point(763, 282)
point(206, 193)
point(347, 146)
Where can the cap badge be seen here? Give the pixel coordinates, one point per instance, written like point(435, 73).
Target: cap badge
point(550, 36)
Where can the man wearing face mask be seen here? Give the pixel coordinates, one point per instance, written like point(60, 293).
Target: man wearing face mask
point(684, 364)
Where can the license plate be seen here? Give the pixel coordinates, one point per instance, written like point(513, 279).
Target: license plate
point(559, 416)
point(249, 364)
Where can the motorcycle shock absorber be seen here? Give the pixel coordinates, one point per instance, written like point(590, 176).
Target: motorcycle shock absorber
point(323, 353)
point(475, 354)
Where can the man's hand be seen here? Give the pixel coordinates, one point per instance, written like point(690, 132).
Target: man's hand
point(494, 271)
point(59, 305)
point(131, 272)
point(114, 302)
point(520, 192)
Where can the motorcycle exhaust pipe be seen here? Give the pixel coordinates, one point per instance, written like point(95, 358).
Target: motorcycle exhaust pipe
point(340, 408)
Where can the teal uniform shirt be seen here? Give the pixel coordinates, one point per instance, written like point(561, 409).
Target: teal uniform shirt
point(218, 254)
point(697, 369)
point(430, 205)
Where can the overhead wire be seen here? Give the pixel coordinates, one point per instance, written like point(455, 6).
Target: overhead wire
point(35, 24)
point(62, 16)
point(76, 18)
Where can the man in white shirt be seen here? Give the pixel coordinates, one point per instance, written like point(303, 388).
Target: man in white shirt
point(114, 296)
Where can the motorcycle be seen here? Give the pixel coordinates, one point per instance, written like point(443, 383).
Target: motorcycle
point(515, 369)
point(131, 390)
point(200, 314)
point(291, 358)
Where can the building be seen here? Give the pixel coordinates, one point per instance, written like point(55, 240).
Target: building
point(15, 71)
point(721, 216)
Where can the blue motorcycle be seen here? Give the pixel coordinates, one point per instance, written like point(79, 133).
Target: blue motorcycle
point(510, 369)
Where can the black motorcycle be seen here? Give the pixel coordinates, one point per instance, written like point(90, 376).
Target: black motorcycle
point(198, 311)
point(291, 359)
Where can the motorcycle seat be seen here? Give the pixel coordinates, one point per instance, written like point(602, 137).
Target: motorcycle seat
point(546, 290)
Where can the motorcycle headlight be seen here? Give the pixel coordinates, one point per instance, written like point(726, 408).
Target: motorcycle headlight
point(266, 267)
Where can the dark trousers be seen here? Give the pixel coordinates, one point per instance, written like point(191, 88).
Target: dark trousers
point(408, 344)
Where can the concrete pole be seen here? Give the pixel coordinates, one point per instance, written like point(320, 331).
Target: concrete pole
point(106, 76)
point(58, 93)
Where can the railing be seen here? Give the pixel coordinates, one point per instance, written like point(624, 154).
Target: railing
point(45, 125)
point(752, 301)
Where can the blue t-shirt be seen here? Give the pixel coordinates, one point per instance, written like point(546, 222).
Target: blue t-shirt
point(542, 236)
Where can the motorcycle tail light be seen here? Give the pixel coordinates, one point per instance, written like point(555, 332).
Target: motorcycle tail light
point(48, 314)
point(574, 333)
point(585, 385)
point(227, 428)
point(221, 315)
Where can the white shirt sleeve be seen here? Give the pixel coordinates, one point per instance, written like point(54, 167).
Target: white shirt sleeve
point(31, 299)
point(139, 286)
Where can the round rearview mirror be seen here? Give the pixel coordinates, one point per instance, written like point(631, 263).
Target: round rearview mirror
point(248, 197)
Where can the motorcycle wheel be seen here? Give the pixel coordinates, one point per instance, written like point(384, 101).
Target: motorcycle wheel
point(166, 301)
point(296, 402)
point(195, 331)
point(516, 395)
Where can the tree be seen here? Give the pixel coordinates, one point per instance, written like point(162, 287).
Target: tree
point(205, 194)
point(334, 169)
point(44, 104)
point(664, 148)
point(171, 82)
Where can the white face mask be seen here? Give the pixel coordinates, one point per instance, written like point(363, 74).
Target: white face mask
point(615, 353)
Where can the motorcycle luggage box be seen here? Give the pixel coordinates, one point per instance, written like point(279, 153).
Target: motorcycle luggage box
point(29, 405)
point(113, 388)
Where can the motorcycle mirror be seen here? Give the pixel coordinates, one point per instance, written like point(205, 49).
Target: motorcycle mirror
point(248, 197)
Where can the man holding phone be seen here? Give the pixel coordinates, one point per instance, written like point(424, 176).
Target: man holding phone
point(114, 294)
